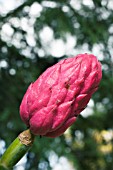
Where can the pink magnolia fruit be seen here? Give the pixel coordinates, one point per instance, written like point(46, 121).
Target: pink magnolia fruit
point(53, 102)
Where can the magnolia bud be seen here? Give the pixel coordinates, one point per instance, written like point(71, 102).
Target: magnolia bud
point(53, 102)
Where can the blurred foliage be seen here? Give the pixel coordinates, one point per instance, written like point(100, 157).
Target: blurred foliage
point(88, 144)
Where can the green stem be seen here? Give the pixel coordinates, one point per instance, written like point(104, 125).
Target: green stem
point(16, 150)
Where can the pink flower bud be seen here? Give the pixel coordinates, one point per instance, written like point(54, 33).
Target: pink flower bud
point(53, 102)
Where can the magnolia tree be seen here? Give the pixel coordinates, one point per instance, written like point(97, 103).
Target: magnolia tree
point(53, 102)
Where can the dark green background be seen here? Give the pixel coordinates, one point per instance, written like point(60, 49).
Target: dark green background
point(86, 146)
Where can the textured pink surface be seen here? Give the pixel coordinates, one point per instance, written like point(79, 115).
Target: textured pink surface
point(52, 103)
